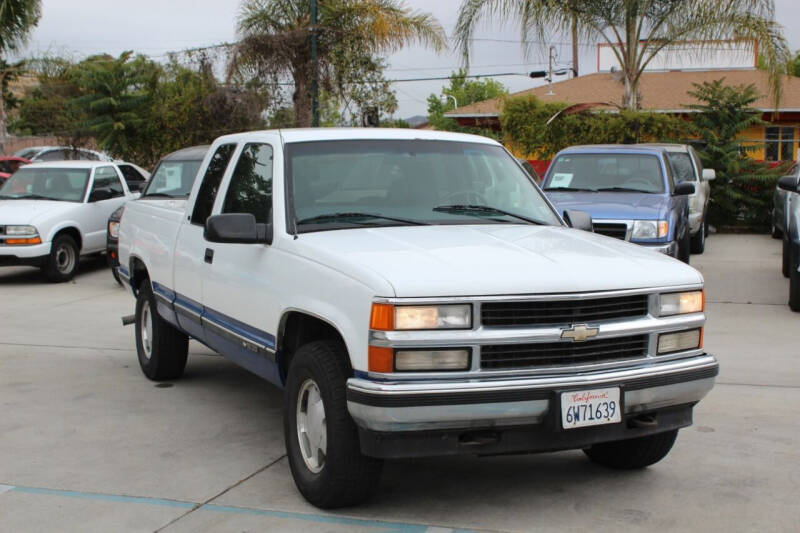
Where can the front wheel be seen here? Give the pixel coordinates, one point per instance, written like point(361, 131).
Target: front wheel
point(162, 349)
point(699, 240)
point(63, 260)
point(785, 259)
point(321, 439)
point(635, 453)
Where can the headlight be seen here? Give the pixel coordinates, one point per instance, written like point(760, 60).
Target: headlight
point(650, 229)
point(113, 229)
point(680, 303)
point(410, 317)
point(21, 230)
point(680, 341)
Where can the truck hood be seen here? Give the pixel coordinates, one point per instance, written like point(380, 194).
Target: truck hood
point(32, 211)
point(437, 261)
point(612, 205)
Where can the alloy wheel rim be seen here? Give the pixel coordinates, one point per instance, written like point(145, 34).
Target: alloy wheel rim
point(65, 258)
point(312, 434)
point(146, 330)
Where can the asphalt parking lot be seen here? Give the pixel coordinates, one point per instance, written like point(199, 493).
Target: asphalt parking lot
point(88, 444)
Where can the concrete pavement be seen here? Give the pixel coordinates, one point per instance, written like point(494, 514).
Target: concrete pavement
point(88, 444)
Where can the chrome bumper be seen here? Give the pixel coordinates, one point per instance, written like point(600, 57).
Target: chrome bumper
point(670, 248)
point(425, 405)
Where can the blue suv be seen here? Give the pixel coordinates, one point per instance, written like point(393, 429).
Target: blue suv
point(629, 191)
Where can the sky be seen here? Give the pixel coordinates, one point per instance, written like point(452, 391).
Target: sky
point(79, 28)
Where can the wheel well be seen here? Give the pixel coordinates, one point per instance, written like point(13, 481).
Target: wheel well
point(138, 273)
point(299, 328)
point(72, 232)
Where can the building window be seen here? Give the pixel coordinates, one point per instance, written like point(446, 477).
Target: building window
point(779, 143)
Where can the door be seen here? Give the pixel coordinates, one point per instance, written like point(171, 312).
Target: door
point(105, 195)
point(239, 295)
point(189, 266)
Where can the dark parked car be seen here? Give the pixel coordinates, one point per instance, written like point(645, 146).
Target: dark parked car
point(629, 191)
point(173, 177)
point(791, 238)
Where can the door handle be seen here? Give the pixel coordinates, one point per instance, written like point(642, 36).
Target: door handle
point(209, 256)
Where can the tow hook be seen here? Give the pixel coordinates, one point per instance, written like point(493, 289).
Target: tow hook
point(643, 421)
point(127, 320)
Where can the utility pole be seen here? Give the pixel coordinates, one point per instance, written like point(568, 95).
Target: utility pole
point(314, 68)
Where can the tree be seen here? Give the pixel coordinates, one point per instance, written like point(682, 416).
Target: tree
point(17, 18)
point(275, 44)
point(742, 192)
point(465, 92)
point(638, 29)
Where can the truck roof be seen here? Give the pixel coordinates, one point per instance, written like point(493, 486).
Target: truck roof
point(335, 134)
point(624, 148)
point(189, 153)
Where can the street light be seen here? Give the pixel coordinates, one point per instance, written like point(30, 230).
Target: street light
point(447, 97)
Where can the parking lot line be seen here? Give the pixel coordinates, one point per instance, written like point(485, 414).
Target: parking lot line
point(302, 517)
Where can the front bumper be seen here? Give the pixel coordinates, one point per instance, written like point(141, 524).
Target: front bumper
point(34, 255)
point(442, 417)
point(669, 248)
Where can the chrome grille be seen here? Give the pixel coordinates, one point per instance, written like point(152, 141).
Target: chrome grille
point(503, 356)
point(555, 312)
point(616, 230)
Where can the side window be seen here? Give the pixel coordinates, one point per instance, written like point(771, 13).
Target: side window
point(51, 155)
point(250, 190)
point(210, 184)
point(106, 177)
point(130, 173)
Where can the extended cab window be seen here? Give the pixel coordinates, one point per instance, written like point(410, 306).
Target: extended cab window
point(682, 166)
point(210, 184)
point(250, 190)
point(106, 178)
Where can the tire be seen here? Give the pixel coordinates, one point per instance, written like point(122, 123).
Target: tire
point(632, 454)
point(794, 278)
point(116, 276)
point(698, 241)
point(341, 475)
point(684, 247)
point(785, 257)
point(63, 261)
point(162, 349)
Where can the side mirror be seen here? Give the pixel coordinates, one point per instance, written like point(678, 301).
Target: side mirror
point(578, 220)
point(709, 174)
point(788, 183)
point(98, 195)
point(238, 228)
point(683, 189)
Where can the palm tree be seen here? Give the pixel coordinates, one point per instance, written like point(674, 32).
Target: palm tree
point(17, 18)
point(275, 40)
point(638, 29)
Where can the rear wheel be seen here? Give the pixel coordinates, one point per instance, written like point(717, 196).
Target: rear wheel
point(321, 439)
point(63, 260)
point(794, 278)
point(161, 348)
point(699, 240)
point(632, 454)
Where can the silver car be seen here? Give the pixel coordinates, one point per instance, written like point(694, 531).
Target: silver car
point(791, 237)
point(780, 205)
point(686, 166)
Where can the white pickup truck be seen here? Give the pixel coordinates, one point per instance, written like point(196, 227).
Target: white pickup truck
point(415, 294)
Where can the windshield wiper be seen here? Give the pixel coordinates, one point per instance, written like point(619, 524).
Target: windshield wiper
point(31, 197)
point(346, 215)
point(567, 189)
point(621, 189)
point(483, 210)
point(160, 195)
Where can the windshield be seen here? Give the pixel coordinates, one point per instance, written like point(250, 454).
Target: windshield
point(63, 184)
point(597, 172)
point(173, 178)
point(682, 166)
point(343, 184)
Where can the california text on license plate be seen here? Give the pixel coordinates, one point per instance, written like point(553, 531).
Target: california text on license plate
point(590, 408)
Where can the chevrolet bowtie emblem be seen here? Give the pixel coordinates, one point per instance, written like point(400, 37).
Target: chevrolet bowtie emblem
point(579, 332)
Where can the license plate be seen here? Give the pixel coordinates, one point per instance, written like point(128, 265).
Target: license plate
point(590, 408)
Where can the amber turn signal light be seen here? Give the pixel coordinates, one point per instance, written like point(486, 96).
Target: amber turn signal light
point(30, 240)
point(382, 317)
point(380, 359)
